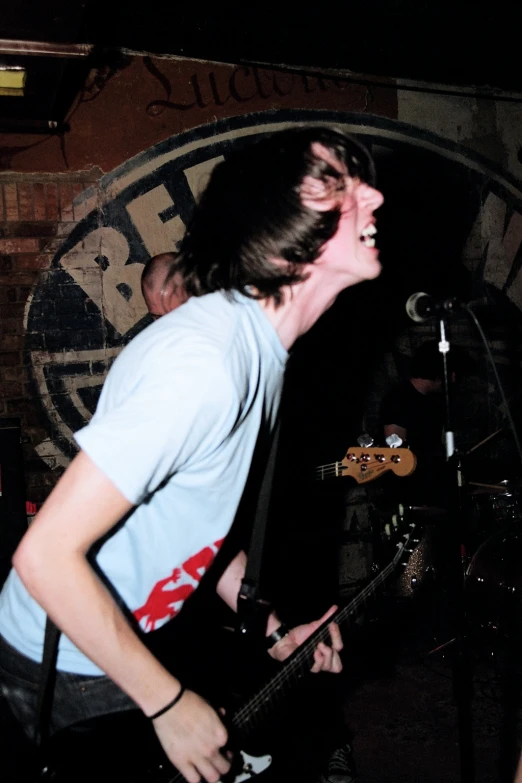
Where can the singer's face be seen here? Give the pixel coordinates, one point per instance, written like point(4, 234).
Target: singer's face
point(351, 252)
point(352, 248)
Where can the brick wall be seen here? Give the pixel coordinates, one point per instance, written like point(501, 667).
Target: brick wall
point(34, 214)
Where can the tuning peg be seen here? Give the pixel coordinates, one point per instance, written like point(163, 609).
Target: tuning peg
point(365, 440)
point(394, 441)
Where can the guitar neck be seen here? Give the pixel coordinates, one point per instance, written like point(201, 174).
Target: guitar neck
point(330, 470)
point(298, 665)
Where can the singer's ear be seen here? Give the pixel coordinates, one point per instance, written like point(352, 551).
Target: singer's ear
point(325, 193)
point(321, 195)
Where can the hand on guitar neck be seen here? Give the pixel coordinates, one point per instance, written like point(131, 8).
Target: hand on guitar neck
point(325, 656)
point(192, 733)
point(366, 463)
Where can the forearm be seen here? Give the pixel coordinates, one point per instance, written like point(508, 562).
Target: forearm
point(229, 586)
point(51, 561)
point(325, 658)
point(90, 617)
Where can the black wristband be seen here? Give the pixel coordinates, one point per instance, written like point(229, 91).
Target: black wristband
point(277, 635)
point(167, 707)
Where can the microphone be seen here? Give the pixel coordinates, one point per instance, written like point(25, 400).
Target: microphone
point(420, 306)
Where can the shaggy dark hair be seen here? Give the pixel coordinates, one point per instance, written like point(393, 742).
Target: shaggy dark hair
point(252, 211)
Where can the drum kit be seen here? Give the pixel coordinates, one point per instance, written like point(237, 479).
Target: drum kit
point(491, 549)
point(493, 580)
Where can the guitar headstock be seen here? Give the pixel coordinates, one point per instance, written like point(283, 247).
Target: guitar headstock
point(368, 463)
point(399, 536)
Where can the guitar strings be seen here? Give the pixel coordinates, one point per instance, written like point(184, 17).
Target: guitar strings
point(301, 657)
point(332, 468)
point(301, 660)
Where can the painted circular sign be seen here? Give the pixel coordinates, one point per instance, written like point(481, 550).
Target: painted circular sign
point(89, 304)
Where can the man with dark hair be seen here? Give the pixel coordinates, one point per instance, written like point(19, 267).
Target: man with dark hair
point(135, 521)
point(161, 285)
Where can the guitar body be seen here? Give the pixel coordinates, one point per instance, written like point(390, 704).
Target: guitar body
point(250, 766)
point(123, 746)
point(244, 768)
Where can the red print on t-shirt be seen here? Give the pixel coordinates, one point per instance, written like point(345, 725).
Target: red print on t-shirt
point(167, 597)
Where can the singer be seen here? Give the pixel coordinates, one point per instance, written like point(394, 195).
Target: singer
point(282, 228)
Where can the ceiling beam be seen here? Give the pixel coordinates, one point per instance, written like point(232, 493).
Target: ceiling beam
point(44, 48)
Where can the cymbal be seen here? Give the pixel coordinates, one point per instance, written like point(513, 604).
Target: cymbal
point(430, 512)
point(483, 488)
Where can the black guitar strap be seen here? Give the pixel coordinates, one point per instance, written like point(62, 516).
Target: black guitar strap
point(44, 702)
point(251, 609)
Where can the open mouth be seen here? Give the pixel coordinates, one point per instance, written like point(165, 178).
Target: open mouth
point(368, 236)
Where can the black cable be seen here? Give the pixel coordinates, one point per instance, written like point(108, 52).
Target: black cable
point(498, 381)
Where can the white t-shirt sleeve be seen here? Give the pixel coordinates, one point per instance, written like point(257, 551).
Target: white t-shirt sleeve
point(172, 416)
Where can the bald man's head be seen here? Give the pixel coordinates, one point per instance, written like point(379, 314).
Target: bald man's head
point(161, 285)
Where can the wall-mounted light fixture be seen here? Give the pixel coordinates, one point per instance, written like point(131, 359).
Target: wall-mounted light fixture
point(12, 80)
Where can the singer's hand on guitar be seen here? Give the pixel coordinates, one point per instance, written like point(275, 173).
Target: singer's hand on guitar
point(326, 657)
point(193, 736)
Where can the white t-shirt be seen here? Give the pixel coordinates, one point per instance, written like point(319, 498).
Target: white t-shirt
point(175, 431)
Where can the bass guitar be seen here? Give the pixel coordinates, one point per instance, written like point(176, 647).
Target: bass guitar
point(249, 717)
point(132, 731)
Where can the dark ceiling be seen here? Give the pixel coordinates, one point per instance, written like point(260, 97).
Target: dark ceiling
point(457, 43)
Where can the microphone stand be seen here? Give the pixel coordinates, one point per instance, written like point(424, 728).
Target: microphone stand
point(461, 669)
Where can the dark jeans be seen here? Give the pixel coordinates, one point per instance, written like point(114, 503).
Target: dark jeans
point(79, 753)
point(77, 697)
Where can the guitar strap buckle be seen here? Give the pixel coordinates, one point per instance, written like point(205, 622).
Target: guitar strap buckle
point(248, 590)
point(252, 611)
